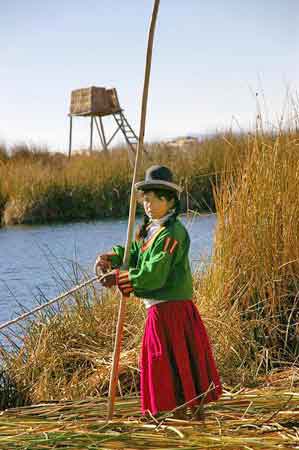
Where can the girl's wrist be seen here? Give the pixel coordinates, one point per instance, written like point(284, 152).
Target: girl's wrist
point(123, 282)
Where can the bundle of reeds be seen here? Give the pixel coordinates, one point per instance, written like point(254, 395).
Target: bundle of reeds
point(94, 100)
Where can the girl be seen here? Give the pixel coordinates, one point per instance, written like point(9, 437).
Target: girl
point(176, 361)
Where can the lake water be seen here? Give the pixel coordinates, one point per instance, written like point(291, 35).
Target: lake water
point(37, 261)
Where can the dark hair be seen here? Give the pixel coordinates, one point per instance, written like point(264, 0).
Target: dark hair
point(169, 195)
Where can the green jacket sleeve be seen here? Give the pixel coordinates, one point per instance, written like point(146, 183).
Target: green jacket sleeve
point(119, 252)
point(117, 256)
point(154, 271)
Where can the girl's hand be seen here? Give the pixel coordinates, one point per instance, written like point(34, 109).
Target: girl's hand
point(103, 263)
point(109, 279)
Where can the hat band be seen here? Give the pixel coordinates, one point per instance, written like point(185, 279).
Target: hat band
point(168, 184)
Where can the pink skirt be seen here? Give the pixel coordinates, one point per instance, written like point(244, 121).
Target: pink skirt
point(176, 361)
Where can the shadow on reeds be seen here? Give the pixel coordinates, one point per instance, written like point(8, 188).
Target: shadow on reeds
point(10, 395)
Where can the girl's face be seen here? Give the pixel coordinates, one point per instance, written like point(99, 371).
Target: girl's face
point(154, 206)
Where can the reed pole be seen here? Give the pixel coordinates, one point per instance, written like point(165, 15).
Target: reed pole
point(132, 213)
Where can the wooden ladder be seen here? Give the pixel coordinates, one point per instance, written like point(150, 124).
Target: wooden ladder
point(127, 130)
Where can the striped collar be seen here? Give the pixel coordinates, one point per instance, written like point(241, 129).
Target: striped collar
point(149, 242)
point(162, 219)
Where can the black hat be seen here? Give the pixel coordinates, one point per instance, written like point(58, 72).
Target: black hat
point(159, 177)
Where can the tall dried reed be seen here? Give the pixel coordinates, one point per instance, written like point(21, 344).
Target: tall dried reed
point(252, 283)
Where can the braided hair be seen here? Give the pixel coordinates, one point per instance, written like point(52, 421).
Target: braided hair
point(168, 195)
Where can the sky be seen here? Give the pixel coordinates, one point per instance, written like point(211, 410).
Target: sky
point(210, 59)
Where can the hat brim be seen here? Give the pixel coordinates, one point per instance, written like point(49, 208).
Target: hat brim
point(148, 185)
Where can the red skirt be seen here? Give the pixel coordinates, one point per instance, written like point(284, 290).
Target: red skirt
point(176, 361)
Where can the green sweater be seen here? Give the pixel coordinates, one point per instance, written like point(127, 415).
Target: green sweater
point(158, 269)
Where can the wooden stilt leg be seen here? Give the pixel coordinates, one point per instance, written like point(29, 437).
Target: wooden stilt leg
point(70, 136)
point(91, 134)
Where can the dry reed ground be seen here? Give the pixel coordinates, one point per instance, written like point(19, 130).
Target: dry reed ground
point(243, 419)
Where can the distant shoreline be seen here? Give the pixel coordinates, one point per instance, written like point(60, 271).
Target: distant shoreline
point(39, 187)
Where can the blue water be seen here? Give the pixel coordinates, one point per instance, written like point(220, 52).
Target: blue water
point(36, 262)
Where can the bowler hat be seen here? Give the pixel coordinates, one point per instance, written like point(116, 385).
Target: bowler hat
point(158, 177)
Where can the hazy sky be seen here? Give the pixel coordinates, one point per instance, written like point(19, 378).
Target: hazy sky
point(209, 60)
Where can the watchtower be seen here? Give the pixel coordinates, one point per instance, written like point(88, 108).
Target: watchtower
point(97, 103)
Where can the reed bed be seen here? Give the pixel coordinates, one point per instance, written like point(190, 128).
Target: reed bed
point(264, 418)
point(38, 186)
point(51, 188)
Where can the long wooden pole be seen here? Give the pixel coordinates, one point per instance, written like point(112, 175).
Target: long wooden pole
point(132, 213)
